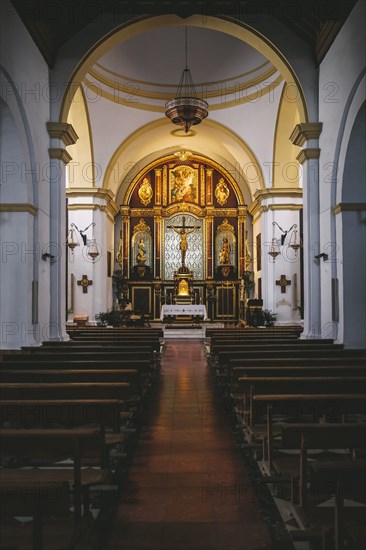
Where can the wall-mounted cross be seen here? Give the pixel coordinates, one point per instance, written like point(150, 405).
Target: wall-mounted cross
point(85, 282)
point(283, 282)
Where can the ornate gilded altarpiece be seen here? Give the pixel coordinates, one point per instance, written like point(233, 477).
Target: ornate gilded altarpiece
point(190, 186)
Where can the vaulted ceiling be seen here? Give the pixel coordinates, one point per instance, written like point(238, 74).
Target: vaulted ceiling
point(52, 24)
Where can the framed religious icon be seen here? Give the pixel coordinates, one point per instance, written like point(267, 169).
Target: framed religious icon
point(141, 248)
point(183, 184)
point(225, 245)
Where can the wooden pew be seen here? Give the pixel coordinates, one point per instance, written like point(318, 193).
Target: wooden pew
point(42, 500)
point(41, 447)
point(318, 479)
point(300, 406)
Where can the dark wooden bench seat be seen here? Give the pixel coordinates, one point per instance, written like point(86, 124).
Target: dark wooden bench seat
point(71, 355)
point(304, 354)
point(66, 390)
point(47, 447)
point(46, 502)
point(142, 365)
point(70, 413)
point(102, 344)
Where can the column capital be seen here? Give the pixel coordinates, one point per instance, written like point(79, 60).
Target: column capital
point(306, 154)
point(63, 131)
point(305, 131)
point(59, 154)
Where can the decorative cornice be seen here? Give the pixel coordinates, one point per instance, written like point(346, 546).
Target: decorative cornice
point(349, 207)
point(306, 154)
point(271, 192)
point(305, 131)
point(98, 192)
point(62, 131)
point(19, 207)
point(260, 195)
point(59, 154)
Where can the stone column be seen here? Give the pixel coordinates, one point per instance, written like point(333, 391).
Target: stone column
point(306, 135)
point(61, 134)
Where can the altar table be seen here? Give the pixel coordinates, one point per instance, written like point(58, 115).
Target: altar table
point(183, 309)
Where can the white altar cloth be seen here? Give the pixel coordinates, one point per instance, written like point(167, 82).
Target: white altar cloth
point(183, 309)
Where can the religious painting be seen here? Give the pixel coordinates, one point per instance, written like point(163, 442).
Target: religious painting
point(222, 192)
point(183, 184)
point(145, 192)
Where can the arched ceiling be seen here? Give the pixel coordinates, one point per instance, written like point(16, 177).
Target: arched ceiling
point(53, 24)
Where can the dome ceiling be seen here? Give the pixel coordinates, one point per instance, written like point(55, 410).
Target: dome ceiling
point(148, 67)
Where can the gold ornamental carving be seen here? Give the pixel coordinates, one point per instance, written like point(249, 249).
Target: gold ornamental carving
point(222, 192)
point(225, 226)
point(183, 155)
point(141, 226)
point(145, 192)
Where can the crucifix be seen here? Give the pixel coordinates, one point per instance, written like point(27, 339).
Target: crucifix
point(283, 282)
point(182, 232)
point(85, 282)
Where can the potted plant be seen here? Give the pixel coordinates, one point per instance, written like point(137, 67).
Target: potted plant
point(109, 318)
point(269, 318)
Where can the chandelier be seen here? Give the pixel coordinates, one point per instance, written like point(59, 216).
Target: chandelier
point(186, 109)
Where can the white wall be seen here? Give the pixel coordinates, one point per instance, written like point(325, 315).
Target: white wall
point(24, 142)
point(341, 92)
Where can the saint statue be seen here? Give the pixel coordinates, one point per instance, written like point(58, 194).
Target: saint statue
point(119, 256)
point(224, 254)
point(248, 256)
point(141, 254)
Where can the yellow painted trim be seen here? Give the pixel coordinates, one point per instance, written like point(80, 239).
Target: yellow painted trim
point(236, 29)
point(56, 153)
point(306, 154)
point(284, 151)
point(90, 133)
point(349, 207)
point(161, 109)
point(239, 87)
point(174, 86)
point(18, 207)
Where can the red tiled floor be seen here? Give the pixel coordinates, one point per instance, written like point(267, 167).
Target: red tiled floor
point(187, 486)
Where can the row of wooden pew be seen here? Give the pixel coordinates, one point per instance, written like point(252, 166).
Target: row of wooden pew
point(300, 408)
point(69, 417)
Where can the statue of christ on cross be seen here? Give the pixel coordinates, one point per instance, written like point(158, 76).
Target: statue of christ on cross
point(183, 230)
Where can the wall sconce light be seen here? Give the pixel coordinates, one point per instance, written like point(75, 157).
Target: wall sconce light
point(91, 244)
point(294, 242)
point(322, 255)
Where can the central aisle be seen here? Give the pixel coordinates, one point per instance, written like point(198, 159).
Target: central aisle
point(187, 486)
